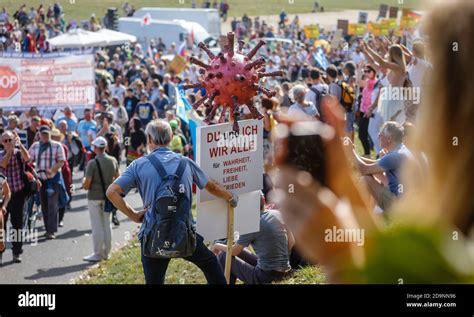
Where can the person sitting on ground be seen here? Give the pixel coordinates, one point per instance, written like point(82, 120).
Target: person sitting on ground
point(272, 245)
point(383, 176)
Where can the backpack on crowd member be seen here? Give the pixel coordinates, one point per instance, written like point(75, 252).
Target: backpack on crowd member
point(347, 96)
point(318, 97)
point(28, 176)
point(173, 234)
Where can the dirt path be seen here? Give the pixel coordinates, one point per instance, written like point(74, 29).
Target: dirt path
point(326, 20)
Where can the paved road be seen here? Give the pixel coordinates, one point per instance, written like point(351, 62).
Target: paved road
point(60, 260)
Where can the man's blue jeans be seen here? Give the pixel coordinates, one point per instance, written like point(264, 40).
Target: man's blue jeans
point(155, 269)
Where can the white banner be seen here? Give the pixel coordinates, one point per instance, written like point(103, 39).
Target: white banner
point(235, 160)
point(51, 80)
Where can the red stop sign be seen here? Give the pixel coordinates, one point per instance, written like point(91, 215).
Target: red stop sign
point(9, 82)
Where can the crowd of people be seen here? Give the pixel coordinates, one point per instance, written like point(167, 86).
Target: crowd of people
point(378, 83)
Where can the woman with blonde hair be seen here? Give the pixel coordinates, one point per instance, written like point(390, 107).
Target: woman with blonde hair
point(429, 238)
point(392, 109)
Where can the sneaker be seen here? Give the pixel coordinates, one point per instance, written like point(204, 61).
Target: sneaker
point(16, 258)
point(61, 223)
point(50, 236)
point(92, 258)
point(115, 220)
point(1, 259)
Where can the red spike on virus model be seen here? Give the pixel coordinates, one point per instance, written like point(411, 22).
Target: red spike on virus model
point(231, 80)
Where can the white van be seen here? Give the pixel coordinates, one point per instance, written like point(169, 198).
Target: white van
point(175, 31)
point(209, 19)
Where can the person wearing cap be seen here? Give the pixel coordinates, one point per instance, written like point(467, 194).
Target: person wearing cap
point(176, 144)
point(49, 158)
point(145, 110)
point(12, 160)
point(104, 105)
point(100, 220)
point(142, 175)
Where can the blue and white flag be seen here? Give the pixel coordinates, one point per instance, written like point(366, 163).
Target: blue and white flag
point(320, 58)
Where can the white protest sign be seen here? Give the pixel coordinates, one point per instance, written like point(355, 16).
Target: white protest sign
point(212, 217)
point(46, 81)
point(235, 160)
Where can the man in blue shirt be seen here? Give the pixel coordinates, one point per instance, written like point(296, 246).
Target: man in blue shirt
point(87, 129)
point(382, 176)
point(140, 174)
point(69, 118)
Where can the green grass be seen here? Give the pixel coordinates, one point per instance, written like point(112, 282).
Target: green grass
point(124, 267)
point(82, 9)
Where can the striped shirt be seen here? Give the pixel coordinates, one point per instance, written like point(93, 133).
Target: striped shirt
point(13, 170)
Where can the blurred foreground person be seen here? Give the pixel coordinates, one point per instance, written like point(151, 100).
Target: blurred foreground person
point(429, 241)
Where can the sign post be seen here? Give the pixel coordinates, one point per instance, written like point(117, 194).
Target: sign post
point(230, 241)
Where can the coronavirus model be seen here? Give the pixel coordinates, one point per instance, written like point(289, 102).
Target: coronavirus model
point(231, 80)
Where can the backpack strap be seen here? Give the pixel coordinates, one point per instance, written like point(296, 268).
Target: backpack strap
point(157, 165)
point(102, 183)
point(181, 167)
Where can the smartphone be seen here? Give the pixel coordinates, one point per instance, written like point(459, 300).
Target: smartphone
point(306, 149)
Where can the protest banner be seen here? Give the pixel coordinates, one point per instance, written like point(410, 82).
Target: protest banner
point(177, 65)
point(337, 39)
point(393, 12)
point(382, 11)
point(356, 29)
point(236, 161)
point(363, 17)
point(54, 80)
point(311, 31)
point(344, 26)
point(410, 19)
point(373, 28)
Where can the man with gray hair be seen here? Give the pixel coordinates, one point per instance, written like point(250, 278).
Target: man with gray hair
point(301, 105)
point(382, 176)
point(141, 174)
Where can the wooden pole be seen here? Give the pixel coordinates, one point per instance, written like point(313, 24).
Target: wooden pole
point(230, 241)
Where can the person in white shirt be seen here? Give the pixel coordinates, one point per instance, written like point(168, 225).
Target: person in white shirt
point(301, 105)
point(419, 65)
point(357, 56)
point(118, 90)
